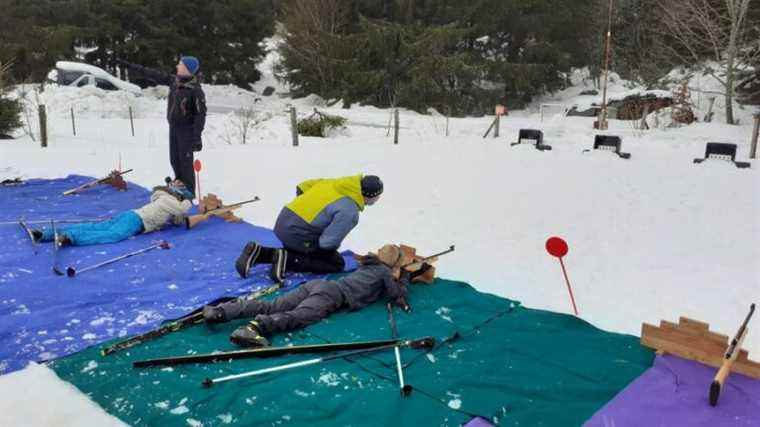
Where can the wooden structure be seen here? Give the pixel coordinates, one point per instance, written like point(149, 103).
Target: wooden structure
point(692, 339)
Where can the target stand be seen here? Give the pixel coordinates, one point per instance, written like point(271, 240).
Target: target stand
point(532, 135)
point(609, 143)
point(722, 151)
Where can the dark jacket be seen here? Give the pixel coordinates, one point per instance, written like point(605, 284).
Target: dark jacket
point(372, 281)
point(186, 109)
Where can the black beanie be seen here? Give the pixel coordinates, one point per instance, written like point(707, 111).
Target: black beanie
point(371, 186)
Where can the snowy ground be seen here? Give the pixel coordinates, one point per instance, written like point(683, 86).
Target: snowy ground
point(651, 238)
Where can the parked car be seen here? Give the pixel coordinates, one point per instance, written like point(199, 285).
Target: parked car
point(77, 74)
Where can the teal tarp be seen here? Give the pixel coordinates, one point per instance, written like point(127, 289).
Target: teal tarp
point(512, 365)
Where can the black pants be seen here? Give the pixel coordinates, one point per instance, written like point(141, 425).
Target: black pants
point(181, 156)
point(307, 304)
point(319, 261)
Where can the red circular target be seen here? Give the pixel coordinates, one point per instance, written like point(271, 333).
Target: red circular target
point(197, 165)
point(556, 247)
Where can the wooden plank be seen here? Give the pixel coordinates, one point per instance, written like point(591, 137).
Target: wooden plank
point(692, 324)
point(694, 347)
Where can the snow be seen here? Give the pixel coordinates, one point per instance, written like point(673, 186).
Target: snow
point(654, 237)
point(97, 72)
point(35, 396)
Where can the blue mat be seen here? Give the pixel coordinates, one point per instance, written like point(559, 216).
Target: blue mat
point(44, 316)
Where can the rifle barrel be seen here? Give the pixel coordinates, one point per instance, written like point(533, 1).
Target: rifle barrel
point(232, 206)
point(449, 250)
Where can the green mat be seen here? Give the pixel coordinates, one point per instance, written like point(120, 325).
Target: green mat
point(511, 365)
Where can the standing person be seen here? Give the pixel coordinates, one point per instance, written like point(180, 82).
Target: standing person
point(186, 113)
point(378, 276)
point(168, 204)
point(313, 226)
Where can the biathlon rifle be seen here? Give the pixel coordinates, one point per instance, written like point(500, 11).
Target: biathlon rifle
point(193, 220)
point(108, 179)
point(416, 265)
point(732, 352)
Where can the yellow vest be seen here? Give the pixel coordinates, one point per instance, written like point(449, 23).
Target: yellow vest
point(318, 193)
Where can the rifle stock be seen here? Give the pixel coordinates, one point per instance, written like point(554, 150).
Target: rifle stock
point(193, 220)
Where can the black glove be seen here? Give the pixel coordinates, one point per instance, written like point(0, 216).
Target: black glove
point(402, 304)
point(197, 146)
point(423, 269)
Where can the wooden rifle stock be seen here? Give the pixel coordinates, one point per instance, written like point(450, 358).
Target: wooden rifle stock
point(192, 220)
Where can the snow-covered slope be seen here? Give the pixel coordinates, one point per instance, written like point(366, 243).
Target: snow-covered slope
point(651, 238)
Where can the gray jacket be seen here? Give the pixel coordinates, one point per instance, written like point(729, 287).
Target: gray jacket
point(326, 231)
point(372, 281)
point(163, 207)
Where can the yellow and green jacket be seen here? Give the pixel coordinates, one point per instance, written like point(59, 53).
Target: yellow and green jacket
point(322, 214)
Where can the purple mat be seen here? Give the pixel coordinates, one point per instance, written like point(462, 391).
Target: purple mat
point(674, 392)
point(478, 422)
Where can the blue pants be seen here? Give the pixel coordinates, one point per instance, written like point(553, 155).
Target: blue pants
point(116, 229)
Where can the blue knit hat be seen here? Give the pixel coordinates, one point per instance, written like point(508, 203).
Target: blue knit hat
point(191, 63)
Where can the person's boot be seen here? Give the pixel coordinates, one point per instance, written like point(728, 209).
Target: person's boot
point(249, 336)
point(247, 258)
point(63, 240)
point(279, 260)
point(214, 314)
point(36, 236)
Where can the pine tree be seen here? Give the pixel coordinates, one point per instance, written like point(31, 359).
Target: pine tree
point(10, 109)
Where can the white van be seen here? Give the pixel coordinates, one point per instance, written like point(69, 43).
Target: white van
point(77, 74)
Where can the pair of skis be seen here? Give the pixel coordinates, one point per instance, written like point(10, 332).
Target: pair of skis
point(193, 318)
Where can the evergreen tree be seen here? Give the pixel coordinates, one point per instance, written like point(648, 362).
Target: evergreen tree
point(10, 109)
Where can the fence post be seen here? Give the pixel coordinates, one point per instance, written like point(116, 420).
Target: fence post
point(294, 125)
point(447, 126)
point(73, 124)
point(43, 126)
point(755, 131)
point(395, 126)
point(131, 121)
point(497, 121)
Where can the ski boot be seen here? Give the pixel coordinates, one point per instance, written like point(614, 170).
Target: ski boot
point(247, 258)
point(279, 261)
point(214, 314)
point(63, 240)
point(249, 336)
point(36, 236)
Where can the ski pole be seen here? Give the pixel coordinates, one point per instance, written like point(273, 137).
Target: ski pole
point(405, 389)
point(423, 343)
point(71, 271)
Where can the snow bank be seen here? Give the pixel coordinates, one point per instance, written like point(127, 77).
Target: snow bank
point(35, 396)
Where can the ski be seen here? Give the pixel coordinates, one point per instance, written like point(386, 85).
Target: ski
point(72, 272)
point(194, 317)
point(29, 232)
point(59, 221)
point(264, 352)
point(56, 246)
